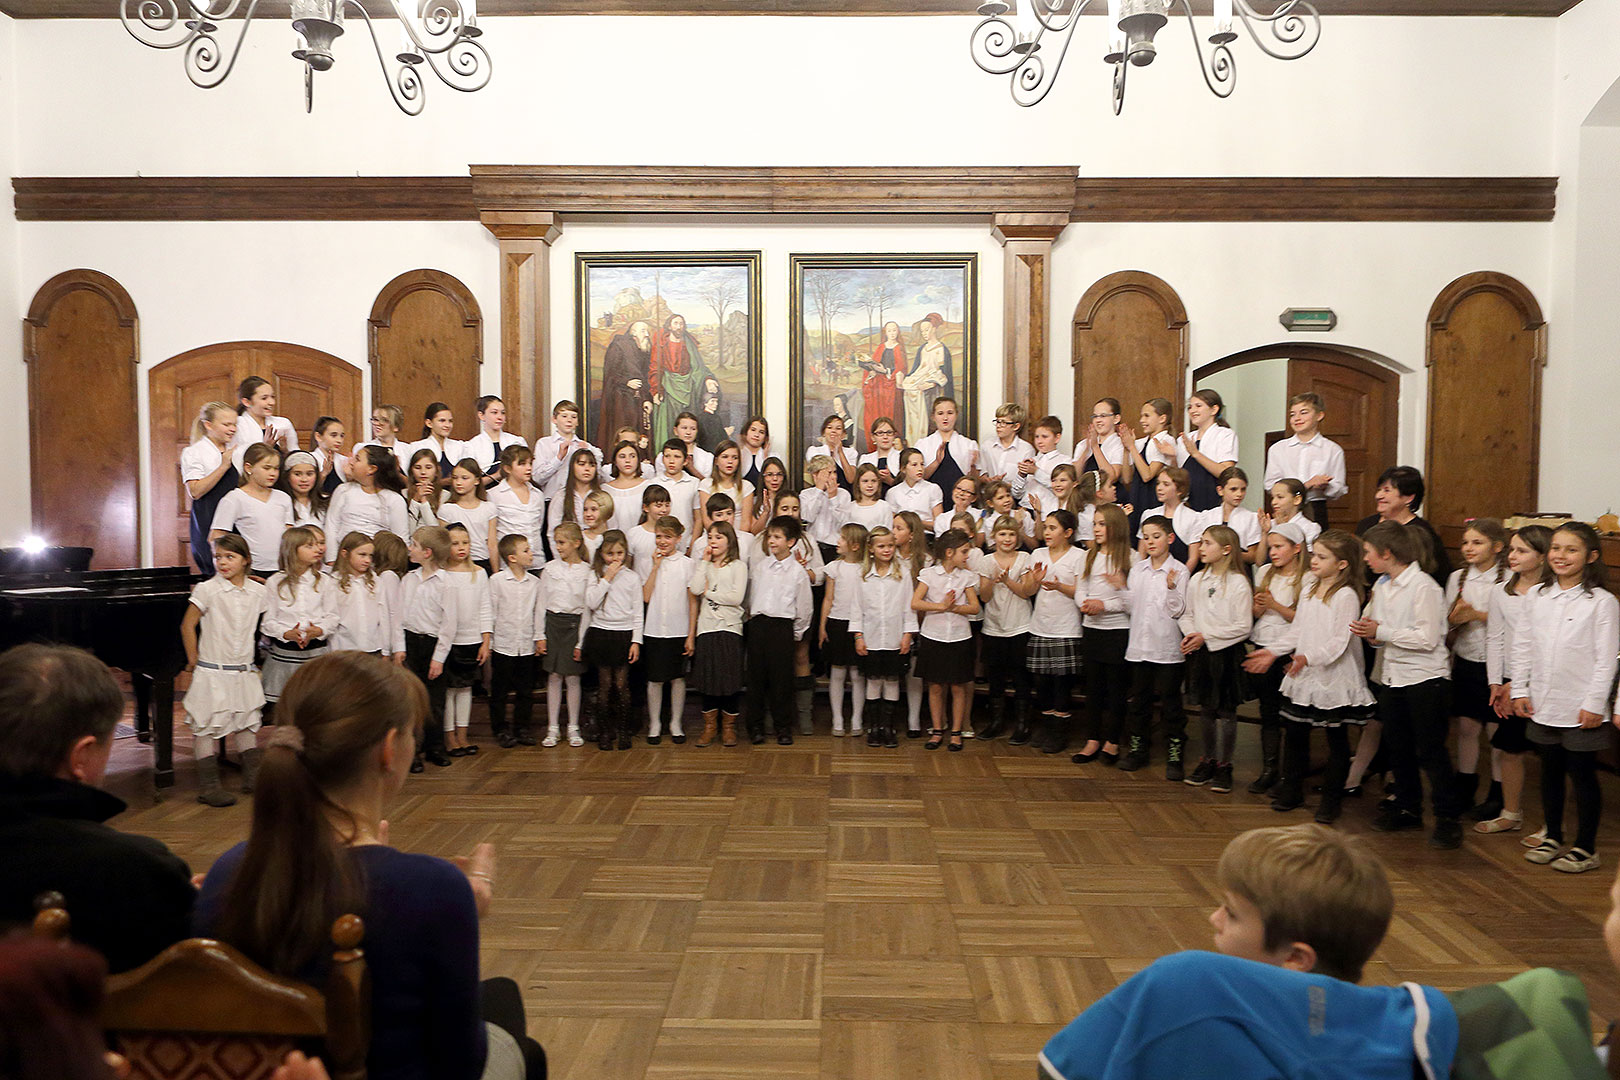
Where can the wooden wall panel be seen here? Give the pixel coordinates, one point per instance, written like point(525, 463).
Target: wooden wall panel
point(81, 347)
point(426, 344)
point(1487, 344)
point(1130, 343)
point(308, 384)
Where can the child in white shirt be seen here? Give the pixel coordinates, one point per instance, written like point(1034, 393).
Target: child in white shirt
point(837, 640)
point(1158, 585)
point(563, 585)
point(947, 594)
point(613, 642)
point(883, 627)
point(514, 605)
point(1220, 612)
point(667, 632)
point(469, 648)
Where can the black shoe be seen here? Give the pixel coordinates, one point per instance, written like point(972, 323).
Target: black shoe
point(1221, 782)
point(1202, 774)
point(1107, 757)
point(1391, 818)
point(1132, 762)
point(654, 740)
point(604, 742)
point(457, 751)
point(416, 763)
point(1264, 782)
point(1286, 797)
point(890, 739)
point(956, 741)
point(625, 740)
point(1174, 771)
point(1353, 792)
point(1079, 759)
point(936, 739)
point(1327, 813)
point(1491, 808)
point(470, 750)
point(506, 740)
point(1020, 736)
point(756, 737)
point(784, 739)
point(874, 735)
point(524, 737)
point(437, 757)
point(914, 733)
point(1447, 835)
point(677, 739)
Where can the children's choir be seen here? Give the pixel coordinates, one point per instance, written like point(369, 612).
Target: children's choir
point(1132, 566)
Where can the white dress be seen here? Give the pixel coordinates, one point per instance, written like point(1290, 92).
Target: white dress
point(1332, 690)
point(220, 703)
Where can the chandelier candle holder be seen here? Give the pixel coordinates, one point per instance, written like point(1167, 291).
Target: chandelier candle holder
point(1043, 30)
point(443, 35)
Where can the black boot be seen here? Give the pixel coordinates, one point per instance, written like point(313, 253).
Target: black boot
point(606, 725)
point(1020, 732)
point(1055, 734)
point(891, 730)
point(1467, 788)
point(1491, 808)
point(876, 717)
point(1270, 751)
point(998, 719)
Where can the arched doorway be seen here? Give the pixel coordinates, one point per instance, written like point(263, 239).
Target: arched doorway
point(1361, 390)
point(308, 383)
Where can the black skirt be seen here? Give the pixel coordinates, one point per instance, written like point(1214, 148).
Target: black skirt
point(1511, 736)
point(606, 648)
point(1216, 680)
point(717, 663)
point(461, 668)
point(945, 662)
point(840, 648)
point(885, 664)
point(663, 659)
point(1470, 694)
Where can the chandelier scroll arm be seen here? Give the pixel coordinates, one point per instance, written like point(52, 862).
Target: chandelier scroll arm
point(1220, 74)
point(405, 86)
point(1290, 23)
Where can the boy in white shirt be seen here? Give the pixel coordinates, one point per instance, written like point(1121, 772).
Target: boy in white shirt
point(999, 459)
point(1309, 457)
point(681, 484)
point(486, 446)
point(921, 497)
point(1037, 471)
point(780, 608)
point(1158, 586)
point(551, 453)
point(1406, 622)
point(514, 600)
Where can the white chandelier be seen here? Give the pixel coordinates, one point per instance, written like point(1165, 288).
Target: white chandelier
point(442, 36)
point(1001, 48)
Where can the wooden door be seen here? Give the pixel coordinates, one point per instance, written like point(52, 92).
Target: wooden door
point(1363, 416)
point(1487, 345)
point(81, 346)
point(426, 344)
point(1130, 343)
point(308, 383)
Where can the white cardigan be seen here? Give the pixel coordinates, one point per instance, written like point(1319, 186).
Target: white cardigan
point(1222, 609)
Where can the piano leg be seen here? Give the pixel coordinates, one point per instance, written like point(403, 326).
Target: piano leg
point(142, 685)
point(163, 730)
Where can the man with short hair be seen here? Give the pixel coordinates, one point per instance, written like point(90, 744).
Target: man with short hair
point(128, 896)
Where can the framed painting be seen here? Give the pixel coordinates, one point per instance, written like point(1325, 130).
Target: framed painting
point(662, 333)
point(881, 335)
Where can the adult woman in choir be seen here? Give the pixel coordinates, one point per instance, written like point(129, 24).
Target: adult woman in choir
point(318, 848)
point(1208, 448)
point(208, 469)
point(437, 424)
point(677, 378)
point(928, 379)
point(878, 381)
point(256, 420)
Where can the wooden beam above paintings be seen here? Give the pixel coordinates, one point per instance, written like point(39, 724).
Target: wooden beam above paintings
point(971, 192)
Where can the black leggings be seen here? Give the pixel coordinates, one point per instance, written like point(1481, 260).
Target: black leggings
point(501, 1003)
point(1004, 666)
point(1581, 768)
point(1108, 683)
point(726, 703)
point(1054, 690)
point(613, 699)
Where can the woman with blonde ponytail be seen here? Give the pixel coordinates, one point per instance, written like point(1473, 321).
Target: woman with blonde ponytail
point(318, 849)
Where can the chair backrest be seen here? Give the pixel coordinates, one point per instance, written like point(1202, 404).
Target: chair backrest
point(203, 1011)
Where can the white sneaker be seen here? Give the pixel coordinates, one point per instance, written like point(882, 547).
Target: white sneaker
point(1575, 861)
point(550, 739)
point(1545, 852)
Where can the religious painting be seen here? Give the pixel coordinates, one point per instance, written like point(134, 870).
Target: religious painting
point(882, 335)
point(662, 333)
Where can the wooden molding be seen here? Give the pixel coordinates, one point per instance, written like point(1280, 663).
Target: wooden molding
point(508, 197)
point(1510, 289)
point(382, 309)
point(1317, 198)
point(69, 281)
point(99, 9)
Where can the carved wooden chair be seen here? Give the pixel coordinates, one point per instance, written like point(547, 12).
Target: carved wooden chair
point(202, 1011)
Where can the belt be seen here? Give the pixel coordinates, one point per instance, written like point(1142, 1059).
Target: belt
point(224, 667)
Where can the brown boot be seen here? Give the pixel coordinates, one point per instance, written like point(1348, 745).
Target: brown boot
point(709, 727)
point(728, 729)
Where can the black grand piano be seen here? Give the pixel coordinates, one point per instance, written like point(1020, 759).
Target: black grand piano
point(130, 619)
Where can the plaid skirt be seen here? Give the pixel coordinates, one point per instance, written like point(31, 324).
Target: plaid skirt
point(1052, 656)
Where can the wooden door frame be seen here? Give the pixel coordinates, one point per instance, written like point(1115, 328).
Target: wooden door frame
point(1105, 288)
point(388, 299)
point(1524, 302)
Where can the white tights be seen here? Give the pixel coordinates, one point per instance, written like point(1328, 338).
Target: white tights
point(887, 689)
point(836, 678)
point(457, 708)
point(915, 695)
point(655, 706)
point(554, 700)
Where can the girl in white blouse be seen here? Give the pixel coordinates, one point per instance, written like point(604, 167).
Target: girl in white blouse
point(302, 610)
point(584, 480)
point(613, 642)
point(208, 470)
point(300, 479)
point(719, 584)
point(1468, 606)
point(256, 509)
point(836, 636)
point(373, 500)
point(666, 638)
point(365, 608)
point(1006, 626)
point(726, 478)
point(1527, 559)
point(911, 549)
point(437, 425)
point(947, 594)
point(1220, 612)
point(1232, 486)
point(1276, 599)
point(883, 627)
point(256, 420)
point(1326, 682)
point(913, 493)
point(1105, 608)
point(1207, 449)
point(468, 504)
point(424, 490)
point(563, 584)
point(1053, 655)
point(468, 589)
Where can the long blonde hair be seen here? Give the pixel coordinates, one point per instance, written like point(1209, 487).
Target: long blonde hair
point(1230, 563)
point(869, 561)
point(342, 573)
point(1118, 545)
point(918, 556)
point(291, 569)
point(1347, 549)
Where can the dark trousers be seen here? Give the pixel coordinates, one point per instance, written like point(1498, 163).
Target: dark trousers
point(1004, 666)
point(501, 1004)
point(1581, 768)
point(1055, 690)
point(1161, 683)
point(1268, 688)
point(770, 674)
point(1317, 511)
point(511, 677)
point(1108, 683)
point(1417, 722)
point(418, 655)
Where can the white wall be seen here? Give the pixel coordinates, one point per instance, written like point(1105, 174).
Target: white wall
point(1255, 397)
point(14, 486)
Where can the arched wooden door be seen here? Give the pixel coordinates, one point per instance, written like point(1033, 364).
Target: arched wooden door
point(1130, 343)
point(309, 384)
point(81, 345)
point(1487, 346)
point(1362, 397)
point(426, 344)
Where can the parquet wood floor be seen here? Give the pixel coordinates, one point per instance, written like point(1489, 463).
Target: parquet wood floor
point(831, 912)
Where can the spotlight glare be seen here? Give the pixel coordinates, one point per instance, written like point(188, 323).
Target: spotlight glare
point(33, 545)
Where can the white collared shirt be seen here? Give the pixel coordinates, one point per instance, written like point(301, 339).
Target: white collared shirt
point(1112, 449)
point(353, 510)
point(683, 494)
point(1271, 630)
point(482, 449)
point(1295, 457)
point(1564, 653)
point(824, 514)
point(260, 523)
point(1501, 630)
point(525, 519)
point(947, 626)
point(312, 604)
point(1006, 614)
point(700, 461)
point(752, 461)
point(228, 632)
point(203, 457)
point(366, 615)
point(1054, 615)
point(476, 519)
point(1333, 677)
point(1156, 605)
point(1244, 522)
point(515, 611)
point(1220, 607)
point(562, 588)
point(1310, 528)
point(843, 581)
point(889, 461)
point(962, 449)
point(1475, 588)
point(819, 449)
point(426, 607)
point(284, 436)
point(669, 612)
point(474, 616)
point(1151, 448)
point(1116, 613)
point(452, 450)
point(1039, 482)
point(780, 589)
point(920, 498)
point(550, 471)
point(626, 505)
point(879, 513)
point(1185, 522)
point(996, 460)
point(616, 604)
point(1217, 443)
point(1410, 611)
